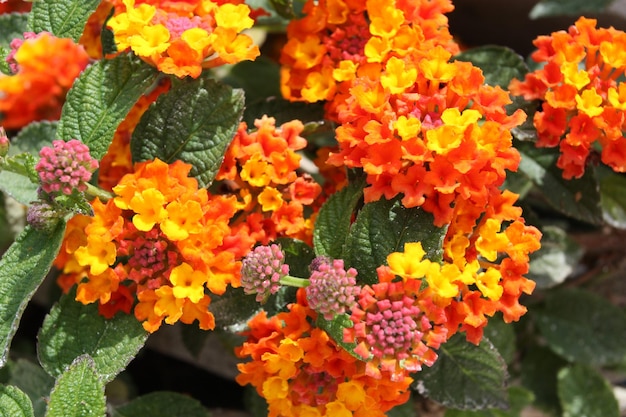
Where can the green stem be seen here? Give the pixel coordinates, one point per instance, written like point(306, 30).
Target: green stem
point(93, 191)
point(294, 281)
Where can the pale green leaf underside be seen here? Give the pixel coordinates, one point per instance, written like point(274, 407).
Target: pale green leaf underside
point(111, 343)
point(78, 392)
point(22, 269)
point(14, 403)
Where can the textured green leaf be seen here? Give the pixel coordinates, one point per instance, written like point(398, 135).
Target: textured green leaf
point(78, 391)
point(14, 403)
point(556, 259)
point(383, 227)
point(233, 308)
point(64, 19)
point(72, 329)
point(333, 221)
point(18, 186)
point(519, 398)
point(585, 393)
point(194, 122)
point(539, 368)
point(498, 63)
point(284, 8)
point(583, 327)
point(4, 65)
point(34, 381)
point(33, 137)
point(547, 8)
point(100, 99)
point(12, 25)
point(465, 376)
point(162, 404)
point(335, 327)
point(22, 269)
point(613, 198)
point(298, 255)
point(259, 78)
point(502, 336)
point(577, 198)
point(283, 111)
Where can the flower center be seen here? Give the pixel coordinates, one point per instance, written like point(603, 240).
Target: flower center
point(313, 387)
point(394, 328)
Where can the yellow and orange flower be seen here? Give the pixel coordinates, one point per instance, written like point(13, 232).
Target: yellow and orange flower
point(262, 168)
point(583, 98)
point(182, 38)
point(338, 41)
point(301, 371)
point(160, 238)
point(45, 69)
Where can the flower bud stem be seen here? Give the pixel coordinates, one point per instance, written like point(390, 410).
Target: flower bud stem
point(93, 191)
point(294, 281)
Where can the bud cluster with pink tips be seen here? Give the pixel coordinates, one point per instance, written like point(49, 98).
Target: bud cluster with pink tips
point(262, 270)
point(332, 289)
point(65, 166)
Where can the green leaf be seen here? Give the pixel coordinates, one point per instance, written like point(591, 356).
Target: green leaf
point(502, 336)
point(333, 220)
point(72, 329)
point(100, 99)
point(283, 111)
point(298, 255)
point(335, 327)
point(547, 8)
point(33, 137)
point(22, 269)
point(383, 227)
point(583, 327)
point(498, 63)
point(64, 19)
point(613, 198)
point(584, 392)
point(14, 403)
point(259, 79)
point(12, 25)
point(194, 122)
point(233, 308)
point(34, 381)
point(18, 186)
point(4, 65)
point(78, 391)
point(162, 404)
point(556, 259)
point(284, 8)
point(538, 373)
point(577, 198)
point(519, 398)
point(465, 376)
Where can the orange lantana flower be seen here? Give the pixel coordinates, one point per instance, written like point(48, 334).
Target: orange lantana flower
point(583, 99)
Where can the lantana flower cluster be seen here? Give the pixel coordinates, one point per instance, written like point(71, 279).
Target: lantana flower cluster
point(301, 371)
point(426, 129)
point(262, 167)
point(159, 240)
point(182, 38)
point(339, 41)
point(582, 93)
point(159, 223)
point(44, 68)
